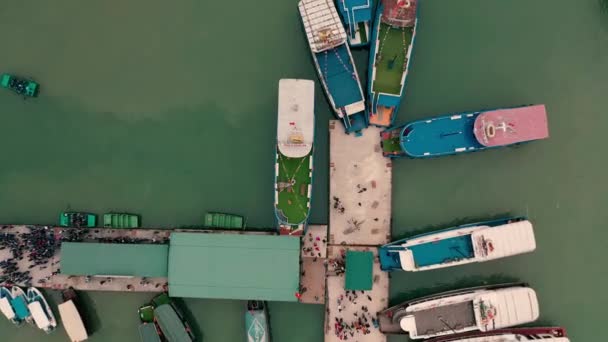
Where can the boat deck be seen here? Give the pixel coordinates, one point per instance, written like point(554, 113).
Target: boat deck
point(313, 257)
point(445, 318)
point(360, 182)
point(391, 58)
point(339, 74)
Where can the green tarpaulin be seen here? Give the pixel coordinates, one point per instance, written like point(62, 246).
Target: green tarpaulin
point(359, 270)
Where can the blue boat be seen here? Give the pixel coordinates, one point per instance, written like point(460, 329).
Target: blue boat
point(19, 304)
point(390, 58)
point(465, 244)
point(334, 62)
point(357, 17)
point(466, 132)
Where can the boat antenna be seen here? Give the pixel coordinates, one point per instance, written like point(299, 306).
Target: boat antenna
point(446, 324)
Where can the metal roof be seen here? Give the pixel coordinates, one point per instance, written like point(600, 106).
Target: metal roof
point(114, 259)
point(231, 266)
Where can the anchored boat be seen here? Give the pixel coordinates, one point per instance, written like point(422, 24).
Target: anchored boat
point(41, 311)
point(484, 308)
point(389, 58)
point(19, 305)
point(6, 298)
point(294, 155)
point(466, 132)
point(357, 16)
point(334, 62)
point(256, 322)
point(475, 242)
point(546, 334)
point(19, 85)
point(72, 321)
point(77, 220)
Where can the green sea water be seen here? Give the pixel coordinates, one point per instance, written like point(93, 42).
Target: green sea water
point(168, 109)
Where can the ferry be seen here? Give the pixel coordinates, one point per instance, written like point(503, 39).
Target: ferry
point(19, 85)
point(546, 334)
point(72, 321)
point(77, 220)
point(120, 220)
point(334, 62)
point(6, 298)
point(224, 221)
point(19, 304)
point(466, 132)
point(294, 155)
point(42, 314)
point(357, 17)
point(469, 243)
point(256, 322)
point(484, 309)
point(389, 58)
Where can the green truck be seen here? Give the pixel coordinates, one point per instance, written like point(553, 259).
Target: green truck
point(19, 85)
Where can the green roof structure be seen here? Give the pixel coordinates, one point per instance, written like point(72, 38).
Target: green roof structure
point(114, 259)
point(234, 266)
point(359, 270)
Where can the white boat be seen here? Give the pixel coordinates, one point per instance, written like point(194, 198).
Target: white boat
point(465, 244)
point(72, 322)
point(5, 305)
point(477, 309)
point(41, 311)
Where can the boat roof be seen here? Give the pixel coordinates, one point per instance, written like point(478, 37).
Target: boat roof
point(505, 240)
point(296, 121)
point(400, 13)
point(148, 333)
point(506, 307)
point(6, 308)
point(39, 315)
point(72, 322)
point(511, 126)
point(171, 324)
point(322, 24)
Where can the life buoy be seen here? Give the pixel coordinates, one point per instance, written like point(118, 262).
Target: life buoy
point(490, 131)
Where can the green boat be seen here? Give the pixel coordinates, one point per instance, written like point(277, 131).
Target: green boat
point(294, 155)
point(224, 221)
point(256, 322)
point(77, 220)
point(120, 220)
point(20, 85)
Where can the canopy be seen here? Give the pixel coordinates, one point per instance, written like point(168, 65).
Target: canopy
point(505, 308)
point(400, 13)
point(40, 317)
point(72, 322)
point(510, 126)
point(296, 121)
point(322, 24)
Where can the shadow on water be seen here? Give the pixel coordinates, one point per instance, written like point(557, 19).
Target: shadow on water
point(461, 283)
point(453, 223)
point(190, 318)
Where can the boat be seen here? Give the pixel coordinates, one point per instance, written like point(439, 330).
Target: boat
point(5, 305)
point(120, 220)
point(256, 322)
point(224, 221)
point(334, 62)
point(294, 155)
point(20, 85)
point(483, 308)
point(71, 318)
point(357, 17)
point(466, 132)
point(170, 320)
point(19, 304)
point(390, 58)
point(41, 312)
point(546, 334)
point(77, 220)
point(464, 244)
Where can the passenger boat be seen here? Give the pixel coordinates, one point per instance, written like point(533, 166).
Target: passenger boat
point(120, 220)
point(19, 85)
point(546, 334)
point(224, 221)
point(77, 220)
point(294, 155)
point(71, 318)
point(390, 58)
point(357, 16)
point(19, 304)
point(334, 62)
point(484, 309)
point(41, 311)
point(474, 242)
point(466, 132)
point(5, 305)
point(256, 322)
